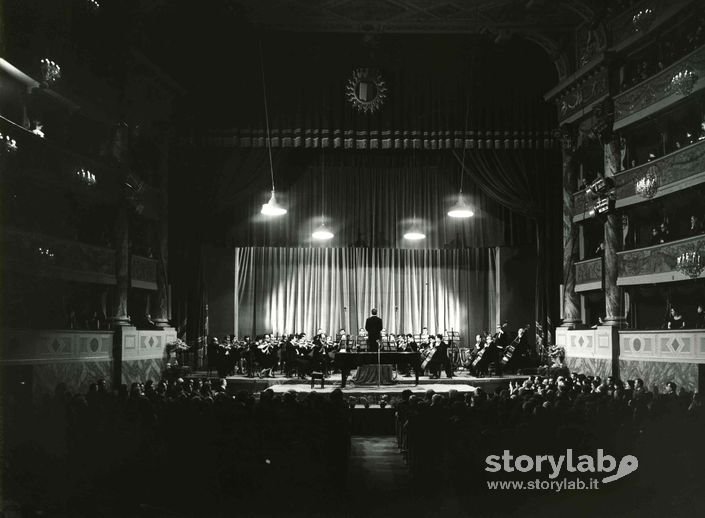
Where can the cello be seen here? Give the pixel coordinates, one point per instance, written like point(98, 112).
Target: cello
point(511, 348)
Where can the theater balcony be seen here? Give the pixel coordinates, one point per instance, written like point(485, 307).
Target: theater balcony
point(625, 34)
point(681, 169)
point(649, 265)
point(656, 93)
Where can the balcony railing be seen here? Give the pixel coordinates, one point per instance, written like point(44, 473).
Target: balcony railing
point(649, 265)
point(655, 264)
point(684, 167)
point(48, 256)
point(655, 93)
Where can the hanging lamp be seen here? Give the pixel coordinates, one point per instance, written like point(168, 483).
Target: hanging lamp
point(462, 209)
point(322, 233)
point(271, 208)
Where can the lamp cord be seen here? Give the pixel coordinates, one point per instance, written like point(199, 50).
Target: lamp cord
point(266, 114)
point(323, 169)
point(462, 161)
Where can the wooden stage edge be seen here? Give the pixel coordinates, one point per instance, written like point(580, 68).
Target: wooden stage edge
point(281, 384)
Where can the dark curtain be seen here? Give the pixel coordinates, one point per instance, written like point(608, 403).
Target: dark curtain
point(366, 199)
point(527, 183)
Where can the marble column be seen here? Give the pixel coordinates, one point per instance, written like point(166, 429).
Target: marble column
point(120, 316)
point(160, 307)
point(122, 267)
point(571, 300)
point(613, 295)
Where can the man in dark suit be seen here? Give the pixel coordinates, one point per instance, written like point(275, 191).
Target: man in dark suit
point(373, 326)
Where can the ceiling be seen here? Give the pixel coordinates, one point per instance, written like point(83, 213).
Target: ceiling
point(415, 16)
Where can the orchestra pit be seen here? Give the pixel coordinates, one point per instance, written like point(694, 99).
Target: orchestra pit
point(352, 258)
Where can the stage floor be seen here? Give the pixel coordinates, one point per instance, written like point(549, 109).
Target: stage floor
point(462, 382)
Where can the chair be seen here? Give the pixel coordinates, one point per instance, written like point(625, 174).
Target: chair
point(318, 375)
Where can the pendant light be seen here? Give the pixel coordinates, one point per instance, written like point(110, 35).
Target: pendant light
point(322, 233)
point(461, 209)
point(415, 233)
point(271, 208)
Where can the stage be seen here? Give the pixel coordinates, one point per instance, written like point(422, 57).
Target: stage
point(462, 382)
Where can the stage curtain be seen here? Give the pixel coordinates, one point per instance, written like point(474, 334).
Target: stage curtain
point(288, 290)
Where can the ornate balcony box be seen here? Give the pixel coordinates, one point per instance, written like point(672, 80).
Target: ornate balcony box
point(655, 93)
point(47, 256)
point(656, 264)
point(679, 170)
point(623, 33)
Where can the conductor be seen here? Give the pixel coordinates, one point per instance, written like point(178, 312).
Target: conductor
point(373, 326)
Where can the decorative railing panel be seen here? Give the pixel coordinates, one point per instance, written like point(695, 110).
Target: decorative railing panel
point(144, 272)
point(586, 91)
point(586, 343)
point(44, 255)
point(684, 165)
point(55, 346)
point(588, 274)
point(145, 344)
point(665, 346)
point(655, 93)
point(656, 263)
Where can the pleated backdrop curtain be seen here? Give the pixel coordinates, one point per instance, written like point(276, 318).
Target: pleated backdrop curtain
point(288, 290)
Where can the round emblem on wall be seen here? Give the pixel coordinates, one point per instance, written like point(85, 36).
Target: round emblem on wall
point(366, 90)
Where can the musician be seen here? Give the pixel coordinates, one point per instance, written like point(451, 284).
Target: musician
point(320, 351)
point(266, 355)
point(342, 340)
point(373, 326)
point(501, 337)
point(440, 359)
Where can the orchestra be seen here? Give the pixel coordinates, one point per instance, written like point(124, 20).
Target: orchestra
point(295, 355)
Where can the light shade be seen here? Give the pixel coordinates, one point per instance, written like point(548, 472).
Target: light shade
point(322, 233)
point(461, 209)
point(414, 235)
point(272, 208)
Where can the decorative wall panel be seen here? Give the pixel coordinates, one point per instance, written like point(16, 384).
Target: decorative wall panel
point(139, 371)
point(590, 366)
point(657, 374)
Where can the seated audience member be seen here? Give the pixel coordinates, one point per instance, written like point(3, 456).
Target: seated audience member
point(699, 322)
point(655, 237)
point(695, 227)
point(675, 320)
point(665, 232)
